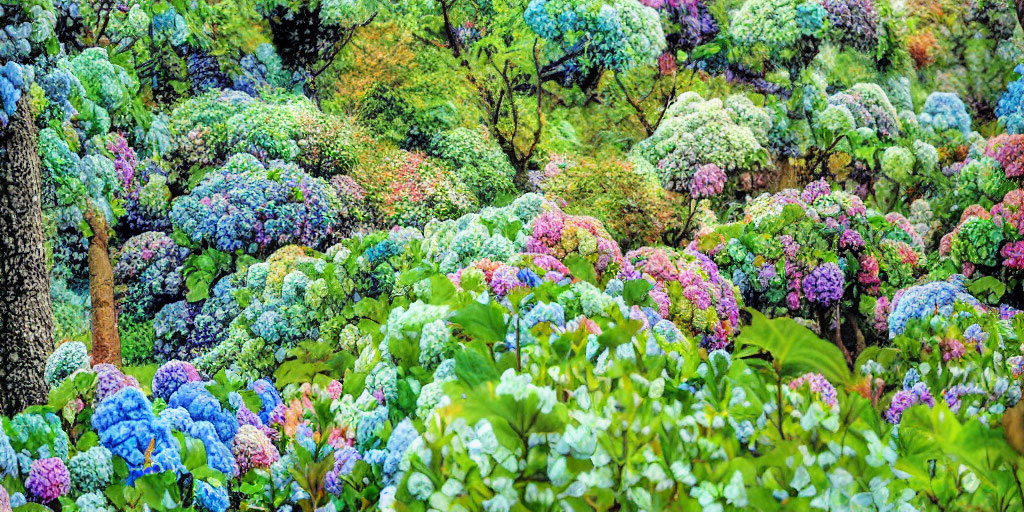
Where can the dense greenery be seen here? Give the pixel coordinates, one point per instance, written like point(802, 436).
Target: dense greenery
point(525, 255)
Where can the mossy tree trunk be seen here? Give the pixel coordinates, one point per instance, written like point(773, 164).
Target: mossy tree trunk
point(106, 343)
point(26, 315)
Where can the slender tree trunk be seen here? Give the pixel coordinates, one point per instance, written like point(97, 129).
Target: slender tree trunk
point(26, 315)
point(106, 343)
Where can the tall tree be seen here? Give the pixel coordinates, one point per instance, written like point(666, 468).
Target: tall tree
point(106, 342)
point(26, 315)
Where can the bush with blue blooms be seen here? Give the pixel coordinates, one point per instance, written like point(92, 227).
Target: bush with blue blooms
point(617, 35)
point(128, 427)
point(256, 208)
point(1010, 109)
point(944, 111)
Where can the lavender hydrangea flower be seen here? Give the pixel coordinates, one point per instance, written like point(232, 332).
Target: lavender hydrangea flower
point(48, 479)
point(824, 285)
point(708, 181)
point(171, 375)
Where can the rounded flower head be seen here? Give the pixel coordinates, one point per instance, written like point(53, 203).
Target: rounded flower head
point(66, 359)
point(824, 285)
point(708, 181)
point(48, 479)
point(5, 500)
point(171, 375)
point(110, 380)
point(818, 385)
point(252, 449)
point(91, 470)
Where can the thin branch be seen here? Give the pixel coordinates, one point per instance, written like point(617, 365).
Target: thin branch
point(636, 106)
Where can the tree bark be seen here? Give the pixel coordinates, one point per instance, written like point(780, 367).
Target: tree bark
point(26, 315)
point(106, 342)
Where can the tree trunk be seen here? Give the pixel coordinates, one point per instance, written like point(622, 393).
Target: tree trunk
point(26, 316)
point(106, 343)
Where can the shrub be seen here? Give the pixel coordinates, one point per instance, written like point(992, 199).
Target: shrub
point(477, 161)
point(257, 208)
point(631, 204)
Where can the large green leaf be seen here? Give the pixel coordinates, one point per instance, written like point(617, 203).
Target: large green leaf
point(795, 348)
point(581, 268)
point(485, 322)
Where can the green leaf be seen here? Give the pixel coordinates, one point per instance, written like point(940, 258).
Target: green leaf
point(988, 288)
point(581, 268)
point(474, 368)
point(441, 290)
point(795, 348)
point(635, 292)
point(485, 322)
point(32, 507)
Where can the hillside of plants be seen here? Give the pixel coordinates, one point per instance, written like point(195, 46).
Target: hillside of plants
point(511, 255)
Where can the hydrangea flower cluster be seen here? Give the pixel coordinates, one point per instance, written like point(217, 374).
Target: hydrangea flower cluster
point(617, 35)
point(252, 449)
point(246, 205)
point(927, 300)
point(819, 385)
point(48, 479)
point(67, 359)
point(149, 270)
point(1009, 109)
point(854, 23)
point(172, 375)
point(870, 108)
point(776, 257)
point(91, 470)
point(208, 129)
point(732, 135)
point(560, 235)
point(784, 32)
point(172, 326)
point(127, 426)
point(690, 291)
point(1008, 150)
point(943, 111)
point(410, 189)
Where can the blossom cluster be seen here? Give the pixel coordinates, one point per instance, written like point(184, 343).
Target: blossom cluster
point(732, 135)
point(256, 208)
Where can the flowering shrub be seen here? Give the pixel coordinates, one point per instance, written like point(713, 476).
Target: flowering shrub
point(208, 129)
point(68, 358)
point(617, 35)
point(1009, 108)
point(410, 189)
point(149, 273)
point(795, 251)
point(255, 208)
point(944, 111)
point(690, 291)
point(1008, 150)
point(477, 161)
point(853, 23)
point(781, 32)
point(631, 204)
point(870, 108)
point(695, 132)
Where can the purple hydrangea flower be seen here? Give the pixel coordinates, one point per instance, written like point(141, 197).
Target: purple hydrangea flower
point(171, 375)
point(48, 479)
point(824, 285)
point(708, 181)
